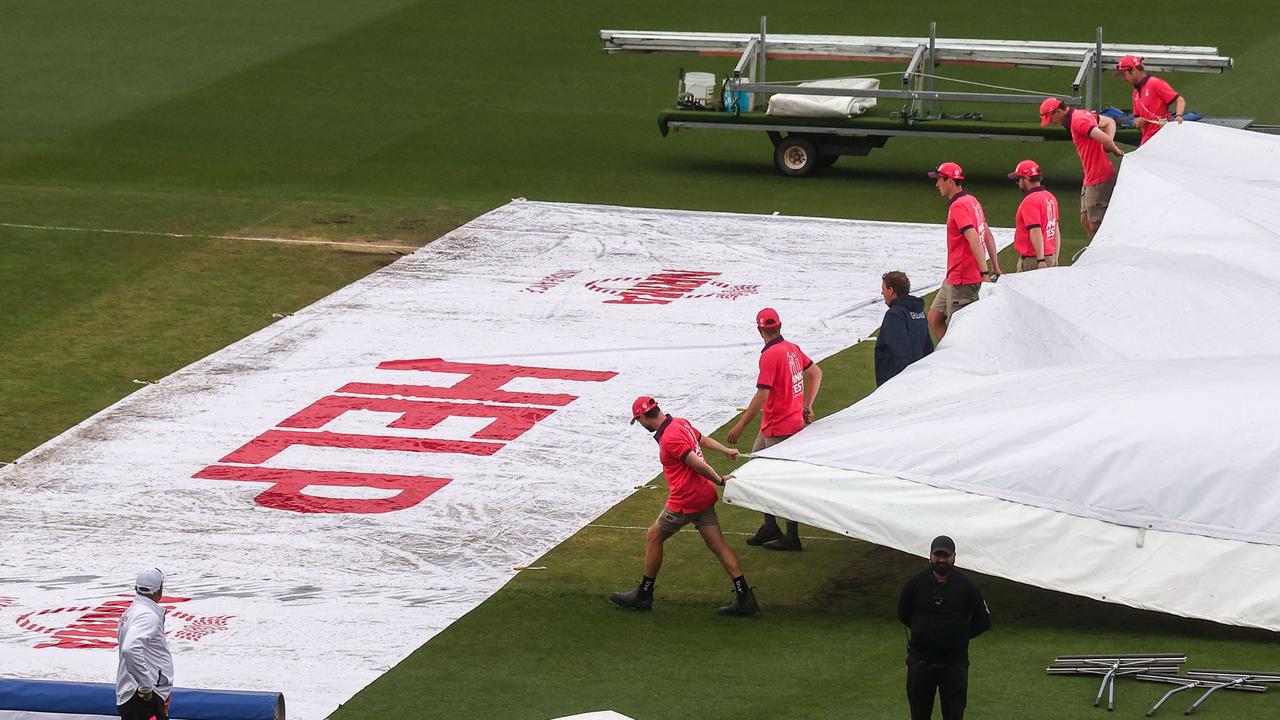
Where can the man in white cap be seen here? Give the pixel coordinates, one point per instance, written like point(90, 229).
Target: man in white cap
point(144, 680)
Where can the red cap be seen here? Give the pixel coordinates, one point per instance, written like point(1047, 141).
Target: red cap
point(768, 318)
point(642, 405)
point(1026, 168)
point(1128, 62)
point(947, 170)
point(1046, 109)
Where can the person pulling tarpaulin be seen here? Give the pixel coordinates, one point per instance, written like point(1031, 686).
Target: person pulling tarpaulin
point(144, 678)
point(1094, 137)
point(1151, 97)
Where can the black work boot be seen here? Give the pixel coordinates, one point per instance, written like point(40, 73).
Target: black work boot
point(767, 533)
point(790, 541)
point(743, 604)
point(633, 600)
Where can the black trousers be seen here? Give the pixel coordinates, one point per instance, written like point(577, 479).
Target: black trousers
point(948, 680)
point(139, 709)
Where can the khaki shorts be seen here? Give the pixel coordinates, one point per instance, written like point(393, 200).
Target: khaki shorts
point(953, 297)
point(1094, 200)
point(669, 521)
point(1026, 264)
point(763, 442)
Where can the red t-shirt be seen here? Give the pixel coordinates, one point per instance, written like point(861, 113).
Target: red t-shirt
point(1093, 157)
point(1039, 209)
point(964, 212)
point(782, 366)
point(1151, 98)
point(690, 492)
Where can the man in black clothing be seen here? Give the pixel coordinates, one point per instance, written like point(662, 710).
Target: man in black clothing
point(944, 609)
point(904, 335)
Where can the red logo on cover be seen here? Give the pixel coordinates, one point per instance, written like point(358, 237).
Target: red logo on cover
point(91, 627)
point(665, 287)
point(480, 393)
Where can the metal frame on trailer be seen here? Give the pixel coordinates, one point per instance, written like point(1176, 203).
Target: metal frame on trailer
point(917, 92)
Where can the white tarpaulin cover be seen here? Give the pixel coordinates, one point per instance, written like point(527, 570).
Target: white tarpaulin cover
point(1136, 389)
point(792, 105)
point(330, 492)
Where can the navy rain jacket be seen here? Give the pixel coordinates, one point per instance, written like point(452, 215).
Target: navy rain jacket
point(904, 337)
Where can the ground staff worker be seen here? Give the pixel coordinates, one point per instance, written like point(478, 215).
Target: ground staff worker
point(904, 332)
point(692, 500)
point(1035, 234)
point(944, 609)
point(1094, 136)
point(970, 245)
point(1151, 97)
point(785, 391)
point(144, 679)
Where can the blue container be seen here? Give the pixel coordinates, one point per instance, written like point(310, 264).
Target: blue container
point(735, 101)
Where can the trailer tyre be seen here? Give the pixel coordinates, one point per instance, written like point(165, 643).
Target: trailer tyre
point(795, 156)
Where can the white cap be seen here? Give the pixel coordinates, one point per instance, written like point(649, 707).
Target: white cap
point(149, 580)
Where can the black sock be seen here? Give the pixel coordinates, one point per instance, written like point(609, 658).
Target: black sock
point(740, 585)
point(646, 586)
point(770, 520)
point(793, 530)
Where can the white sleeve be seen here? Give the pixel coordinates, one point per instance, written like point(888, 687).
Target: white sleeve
point(133, 650)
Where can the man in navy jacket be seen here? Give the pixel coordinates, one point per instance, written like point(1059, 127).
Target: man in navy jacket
point(904, 334)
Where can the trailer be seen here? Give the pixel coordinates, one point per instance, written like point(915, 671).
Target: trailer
point(803, 145)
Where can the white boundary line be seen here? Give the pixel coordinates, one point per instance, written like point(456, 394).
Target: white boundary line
point(599, 526)
point(289, 241)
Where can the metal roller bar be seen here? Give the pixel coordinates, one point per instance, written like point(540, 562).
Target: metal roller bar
point(982, 52)
point(767, 89)
point(1179, 657)
point(849, 132)
point(1268, 677)
point(1193, 681)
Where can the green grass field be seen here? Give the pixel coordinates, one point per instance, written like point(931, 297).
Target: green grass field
point(391, 122)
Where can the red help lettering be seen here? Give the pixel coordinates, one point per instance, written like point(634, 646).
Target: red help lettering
point(481, 386)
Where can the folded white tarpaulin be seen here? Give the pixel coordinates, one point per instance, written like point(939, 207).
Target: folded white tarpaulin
point(1107, 429)
point(332, 491)
point(791, 105)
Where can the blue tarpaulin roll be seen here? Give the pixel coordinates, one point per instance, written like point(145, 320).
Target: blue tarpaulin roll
point(75, 698)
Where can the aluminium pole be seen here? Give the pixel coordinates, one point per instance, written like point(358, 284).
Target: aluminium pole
point(930, 109)
point(1098, 74)
point(764, 53)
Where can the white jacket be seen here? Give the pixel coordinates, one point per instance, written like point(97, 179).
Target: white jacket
point(145, 662)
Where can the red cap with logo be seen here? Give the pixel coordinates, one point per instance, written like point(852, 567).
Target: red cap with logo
point(642, 405)
point(1046, 110)
point(768, 318)
point(948, 170)
point(1026, 168)
point(1128, 62)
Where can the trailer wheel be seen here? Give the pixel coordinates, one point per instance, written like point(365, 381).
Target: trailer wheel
point(795, 156)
